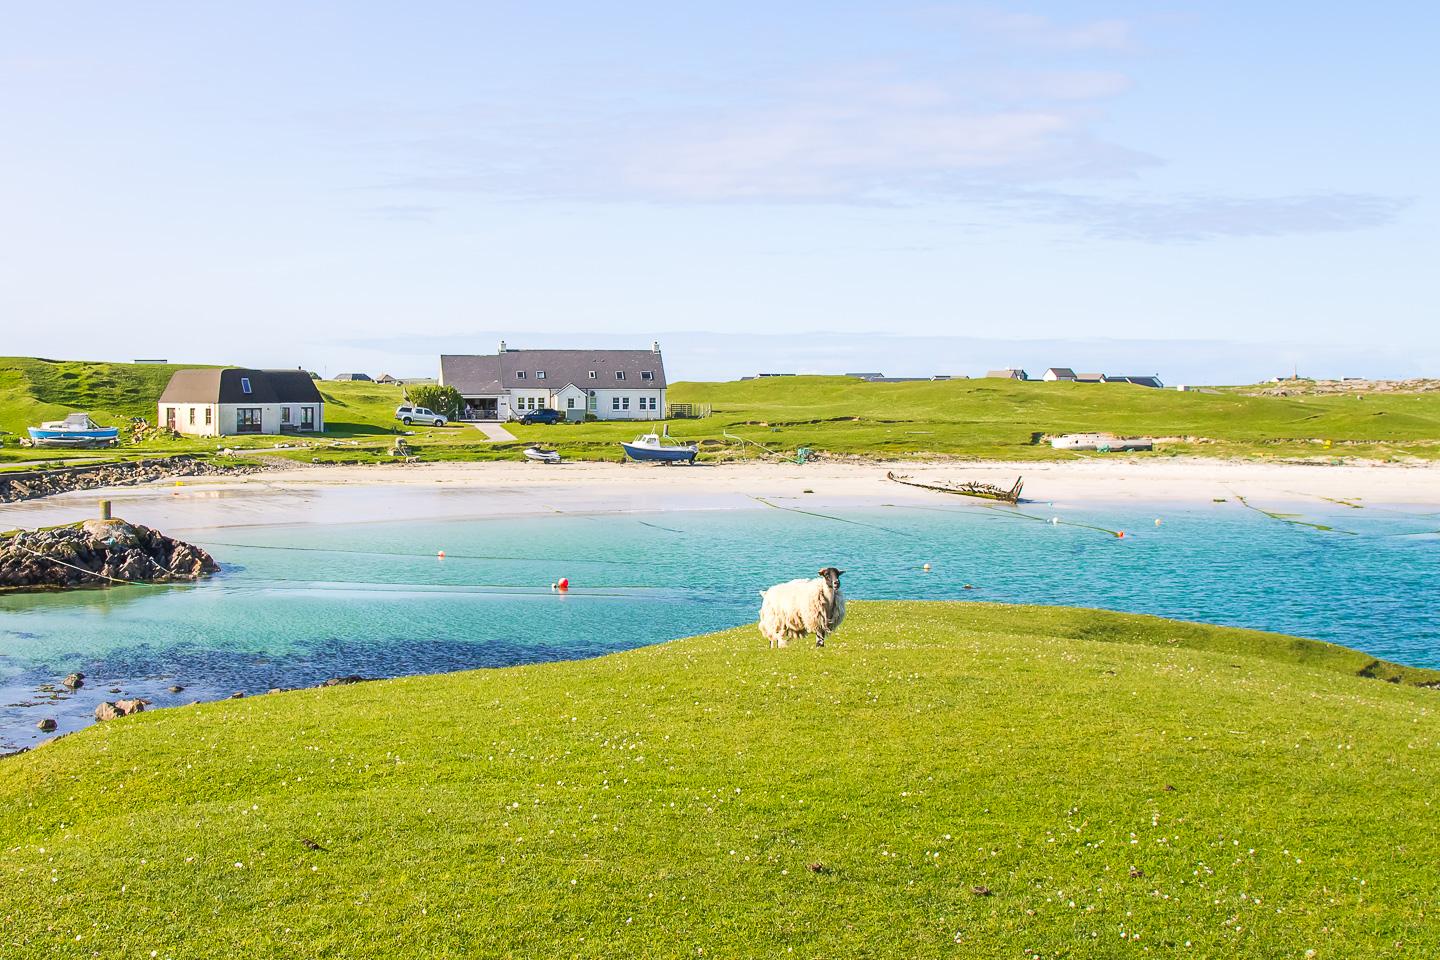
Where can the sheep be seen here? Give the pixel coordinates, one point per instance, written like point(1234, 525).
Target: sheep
point(794, 609)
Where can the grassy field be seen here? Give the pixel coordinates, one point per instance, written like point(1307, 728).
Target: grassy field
point(942, 780)
point(981, 419)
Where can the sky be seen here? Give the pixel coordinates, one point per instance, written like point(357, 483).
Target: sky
point(1215, 192)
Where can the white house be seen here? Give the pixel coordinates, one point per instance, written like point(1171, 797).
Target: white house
point(220, 402)
point(1058, 373)
point(608, 384)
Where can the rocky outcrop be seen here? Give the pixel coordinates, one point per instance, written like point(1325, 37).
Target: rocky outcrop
point(30, 484)
point(119, 708)
point(97, 553)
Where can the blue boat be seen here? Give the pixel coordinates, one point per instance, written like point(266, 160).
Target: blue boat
point(649, 448)
point(76, 430)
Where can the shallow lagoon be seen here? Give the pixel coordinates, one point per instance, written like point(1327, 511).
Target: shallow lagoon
point(297, 604)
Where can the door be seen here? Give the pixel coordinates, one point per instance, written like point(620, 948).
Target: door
point(247, 420)
point(307, 418)
point(169, 418)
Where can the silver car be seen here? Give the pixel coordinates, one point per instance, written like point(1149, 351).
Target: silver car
point(409, 415)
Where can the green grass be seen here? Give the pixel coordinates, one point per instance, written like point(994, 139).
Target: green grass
point(976, 419)
point(670, 801)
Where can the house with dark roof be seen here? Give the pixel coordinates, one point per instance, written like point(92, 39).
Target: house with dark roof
point(607, 384)
point(1153, 382)
point(1009, 373)
point(219, 402)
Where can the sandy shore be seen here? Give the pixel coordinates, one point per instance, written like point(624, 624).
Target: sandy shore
point(430, 491)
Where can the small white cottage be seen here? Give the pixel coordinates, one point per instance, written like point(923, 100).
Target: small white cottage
point(222, 402)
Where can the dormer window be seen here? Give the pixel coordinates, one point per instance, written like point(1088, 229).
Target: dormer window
point(592, 374)
point(245, 385)
point(619, 374)
point(647, 374)
point(519, 374)
point(539, 374)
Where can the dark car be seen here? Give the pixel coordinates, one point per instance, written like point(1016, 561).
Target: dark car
point(544, 415)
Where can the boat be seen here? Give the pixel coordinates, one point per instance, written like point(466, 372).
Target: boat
point(76, 430)
point(651, 448)
point(985, 491)
point(541, 455)
point(1102, 442)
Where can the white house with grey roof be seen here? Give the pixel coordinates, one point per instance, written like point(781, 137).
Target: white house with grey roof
point(218, 402)
point(608, 384)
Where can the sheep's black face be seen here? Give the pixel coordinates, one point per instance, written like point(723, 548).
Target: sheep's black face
point(832, 577)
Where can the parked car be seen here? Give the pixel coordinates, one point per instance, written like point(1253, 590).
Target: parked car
point(543, 415)
point(409, 415)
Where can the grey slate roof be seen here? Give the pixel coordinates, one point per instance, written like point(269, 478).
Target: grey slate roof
point(1138, 381)
point(226, 386)
point(473, 374)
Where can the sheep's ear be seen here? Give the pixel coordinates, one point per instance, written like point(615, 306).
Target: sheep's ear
point(839, 573)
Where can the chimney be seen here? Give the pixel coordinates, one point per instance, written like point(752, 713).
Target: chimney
point(502, 346)
point(654, 346)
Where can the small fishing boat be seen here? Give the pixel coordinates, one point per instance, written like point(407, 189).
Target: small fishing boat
point(1102, 442)
point(651, 448)
point(985, 491)
point(541, 455)
point(76, 430)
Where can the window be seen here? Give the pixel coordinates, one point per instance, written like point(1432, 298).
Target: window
point(569, 403)
point(284, 414)
point(590, 401)
point(192, 416)
point(245, 386)
point(647, 374)
point(247, 420)
point(614, 403)
point(619, 374)
point(647, 403)
point(592, 374)
point(624, 403)
point(539, 374)
point(519, 374)
point(208, 411)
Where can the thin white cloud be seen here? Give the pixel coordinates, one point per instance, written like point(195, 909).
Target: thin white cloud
point(1109, 34)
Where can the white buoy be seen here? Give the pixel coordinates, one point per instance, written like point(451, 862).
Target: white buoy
point(926, 568)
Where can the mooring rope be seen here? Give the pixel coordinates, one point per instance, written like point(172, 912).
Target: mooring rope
point(826, 516)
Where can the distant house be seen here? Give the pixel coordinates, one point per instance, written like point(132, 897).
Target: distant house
point(1138, 381)
point(866, 376)
point(221, 402)
point(1058, 373)
point(354, 376)
point(608, 384)
point(1089, 378)
point(386, 378)
point(1008, 374)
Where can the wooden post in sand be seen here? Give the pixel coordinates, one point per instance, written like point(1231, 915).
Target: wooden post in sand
point(104, 509)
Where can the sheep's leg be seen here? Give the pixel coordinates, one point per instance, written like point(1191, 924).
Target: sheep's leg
point(819, 638)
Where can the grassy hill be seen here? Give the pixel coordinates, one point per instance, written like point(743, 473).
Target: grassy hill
point(941, 780)
point(994, 419)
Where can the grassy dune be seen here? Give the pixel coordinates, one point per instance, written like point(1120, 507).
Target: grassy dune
point(942, 780)
point(993, 419)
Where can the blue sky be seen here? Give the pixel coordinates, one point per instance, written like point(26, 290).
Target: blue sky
point(1211, 191)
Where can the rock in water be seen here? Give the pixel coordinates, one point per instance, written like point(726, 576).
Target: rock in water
point(97, 553)
point(119, 708)
point(46, 726)
point(75, 681)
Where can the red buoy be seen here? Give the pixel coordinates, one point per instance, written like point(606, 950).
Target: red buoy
point(564, 584)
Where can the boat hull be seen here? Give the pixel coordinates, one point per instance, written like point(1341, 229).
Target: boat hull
point(659, 455)
point(73, 438)
point(541, 456)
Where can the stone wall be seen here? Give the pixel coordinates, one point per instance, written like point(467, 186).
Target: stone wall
point(30, 484)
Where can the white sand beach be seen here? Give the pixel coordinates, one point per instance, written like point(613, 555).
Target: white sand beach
point(429, 491)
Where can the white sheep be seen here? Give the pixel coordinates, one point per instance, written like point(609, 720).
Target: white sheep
point(794, 609)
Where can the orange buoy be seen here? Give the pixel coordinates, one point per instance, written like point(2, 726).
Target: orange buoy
point(440, 554)
point(564, 584)
point(1120, 534)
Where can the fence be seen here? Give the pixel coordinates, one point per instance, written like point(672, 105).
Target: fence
point(686, 411)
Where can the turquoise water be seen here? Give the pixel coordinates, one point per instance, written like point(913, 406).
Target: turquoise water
point(298, 604)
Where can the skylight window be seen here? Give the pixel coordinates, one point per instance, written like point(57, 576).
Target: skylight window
point(519, 374)
point(592, 374)
point(245, 385)
point(619, 374)
point(539, 374)
point(647, 374)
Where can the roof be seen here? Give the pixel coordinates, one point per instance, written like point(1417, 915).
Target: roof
point(1090, 377)
point(1009, 373)
point(352, 376)
point(1061, 373)
point(228, 386)
point(472, 373)
point(1138, 381)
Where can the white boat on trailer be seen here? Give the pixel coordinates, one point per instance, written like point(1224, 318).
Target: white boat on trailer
point(651, 448)
point(1102, 442)
point(541, 455)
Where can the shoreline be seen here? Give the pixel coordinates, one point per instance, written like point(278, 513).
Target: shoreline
point(359, 494)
